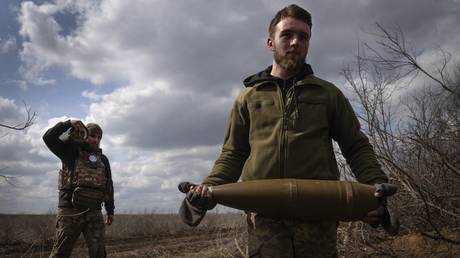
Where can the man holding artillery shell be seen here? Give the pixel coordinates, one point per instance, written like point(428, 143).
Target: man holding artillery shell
point(281, 127)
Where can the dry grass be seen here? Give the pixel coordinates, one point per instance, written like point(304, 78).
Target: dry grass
point(145, 235)
point(219, 235)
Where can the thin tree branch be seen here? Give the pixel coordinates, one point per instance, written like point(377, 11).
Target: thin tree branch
point(29, 120)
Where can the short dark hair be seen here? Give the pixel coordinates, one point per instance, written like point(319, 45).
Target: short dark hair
point(293, 11)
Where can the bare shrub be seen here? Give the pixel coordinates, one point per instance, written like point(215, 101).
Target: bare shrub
point(414, 129)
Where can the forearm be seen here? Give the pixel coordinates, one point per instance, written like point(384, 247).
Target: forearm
point(51, 137)
point(235, 150)
point(109, 202)
point(363, 162)
point(227, 168)
point(109, 207)
point(355, 145)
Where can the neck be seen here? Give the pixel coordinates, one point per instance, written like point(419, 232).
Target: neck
point(282, 73)
point(89, 147)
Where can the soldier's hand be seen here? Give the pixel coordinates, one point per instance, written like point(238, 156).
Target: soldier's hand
point(79, 132)
point(375, 217)
point(202, 190)
point(109, 220)
point(77, 124)
point(200, 196)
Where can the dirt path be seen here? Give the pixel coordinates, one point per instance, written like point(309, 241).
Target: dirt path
point(177, 246)
point(165, 246)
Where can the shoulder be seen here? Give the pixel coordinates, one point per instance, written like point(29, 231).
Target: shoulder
point(327, 85)
point(330, 88)
point(244, 93)
point(242, 97)
point(104, 158)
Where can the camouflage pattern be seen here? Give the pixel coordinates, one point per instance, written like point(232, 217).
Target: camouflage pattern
point(87, 173)
point(289, 238)
point(90, 173)
point(70, 223)
point(64, 179)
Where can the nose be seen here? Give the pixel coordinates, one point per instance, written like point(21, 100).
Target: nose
point(295, 41)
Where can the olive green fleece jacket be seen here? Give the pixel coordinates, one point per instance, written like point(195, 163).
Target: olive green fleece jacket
point(270, 136)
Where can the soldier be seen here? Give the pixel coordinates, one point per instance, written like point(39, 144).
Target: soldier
point(85, 182)
point(281, 126)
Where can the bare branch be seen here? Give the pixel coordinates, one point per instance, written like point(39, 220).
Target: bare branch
point(29, 120)
point(7, 178)
point(416, 139)
point(398, 56)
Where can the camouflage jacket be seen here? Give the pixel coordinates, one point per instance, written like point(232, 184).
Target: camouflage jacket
point(68, 152)
point(288, 134)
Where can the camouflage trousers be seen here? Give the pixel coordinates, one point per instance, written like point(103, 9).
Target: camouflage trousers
point(289, 238)
point(70, 223)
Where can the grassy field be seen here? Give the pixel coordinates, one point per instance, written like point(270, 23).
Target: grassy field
point(219, 235)
point(144, 235)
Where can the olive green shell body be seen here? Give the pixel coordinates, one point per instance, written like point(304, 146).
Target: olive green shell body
point(298, 198)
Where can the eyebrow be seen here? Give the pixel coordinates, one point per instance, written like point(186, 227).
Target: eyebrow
point(295, 31)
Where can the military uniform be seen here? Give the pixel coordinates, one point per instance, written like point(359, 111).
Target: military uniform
point(272, 237)
point(71, 223)
point(85, 182)
point(284, 129)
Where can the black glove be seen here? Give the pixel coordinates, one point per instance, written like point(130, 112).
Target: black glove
point(199, 201)
point(194, 206)
point(196, 199)
point(389, 222)
point(386, 189)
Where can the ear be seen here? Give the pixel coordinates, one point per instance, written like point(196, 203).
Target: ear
point(270, 43)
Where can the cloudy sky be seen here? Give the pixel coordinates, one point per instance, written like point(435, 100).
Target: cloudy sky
point(160, 77)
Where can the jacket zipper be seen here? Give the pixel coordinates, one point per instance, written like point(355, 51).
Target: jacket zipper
point(282, 133)
point(285, 105)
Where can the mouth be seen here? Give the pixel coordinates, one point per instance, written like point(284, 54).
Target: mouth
point(293, 52)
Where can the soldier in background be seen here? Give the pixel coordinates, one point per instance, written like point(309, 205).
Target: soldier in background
point(282, 126)
point(85, 182)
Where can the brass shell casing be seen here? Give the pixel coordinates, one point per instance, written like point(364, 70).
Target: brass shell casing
point(79, 132)
point(299, 198)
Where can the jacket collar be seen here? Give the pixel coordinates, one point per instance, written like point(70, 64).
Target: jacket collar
point(264, 76)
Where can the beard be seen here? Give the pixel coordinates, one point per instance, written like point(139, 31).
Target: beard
point(89, 147)
point(291, 62)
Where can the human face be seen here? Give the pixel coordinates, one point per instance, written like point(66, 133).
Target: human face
point(290, 44)
point(94, 140)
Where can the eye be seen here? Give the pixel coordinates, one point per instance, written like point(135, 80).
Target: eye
point(286, 34)
point(304, 36)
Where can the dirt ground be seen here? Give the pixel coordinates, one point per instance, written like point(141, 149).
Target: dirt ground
point(154, 235)
point(419, 245)
point(222, 244)
point(181, 246)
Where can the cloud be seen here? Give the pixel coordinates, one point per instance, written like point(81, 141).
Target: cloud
point(91, 95)
point(7, 45)
point(148, 117)
point(129, 42)
point(142, 178)
point(32, 169)
point(138, 42)
point(154, 178)
point(11, 114)
point(162, 77)
point(8, 108)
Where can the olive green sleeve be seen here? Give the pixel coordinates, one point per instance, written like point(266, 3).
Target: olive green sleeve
point(235, 150)
point(353, 143)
